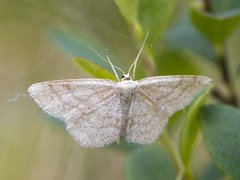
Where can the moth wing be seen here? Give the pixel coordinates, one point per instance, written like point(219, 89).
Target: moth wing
point(90, 108)
point(144, 124)
point(99, 125)
point(156, 99)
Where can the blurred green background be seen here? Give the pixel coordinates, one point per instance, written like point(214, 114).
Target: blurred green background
point(38, 39)
point(33, 146)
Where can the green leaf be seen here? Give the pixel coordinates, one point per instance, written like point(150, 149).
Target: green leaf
point(154, 16)
point(184, 35)
point(210, 172)
point(223, 5)
point(125, 145)
point(147, 16)
point(218, 27)
point(149, 163)
point(129, 10)
point(220, 127)
point(93, 69)
point(190, 128)
point(175, 63)
point(79, 47)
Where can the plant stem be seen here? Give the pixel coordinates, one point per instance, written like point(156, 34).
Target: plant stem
point(224, 67)
point(226, 76)
point(218, 95)
point(174, 154)
point(188, 175)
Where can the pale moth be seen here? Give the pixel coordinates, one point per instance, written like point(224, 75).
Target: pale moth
point(98, 112)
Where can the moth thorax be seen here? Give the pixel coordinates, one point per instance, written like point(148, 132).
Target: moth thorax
point(127, 86)
point(126, 77)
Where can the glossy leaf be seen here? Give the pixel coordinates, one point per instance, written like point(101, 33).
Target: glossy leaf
point(218, 27)
point(220, 127)
point(93, 69)
point(149, 163)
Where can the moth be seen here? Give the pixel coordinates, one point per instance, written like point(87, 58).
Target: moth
point(98, 112)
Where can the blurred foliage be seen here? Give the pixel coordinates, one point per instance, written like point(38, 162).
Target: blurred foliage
point(93, 69)
point(80, 47)
point(184, 35)
point(147, 16)
point(190, 129)
point(223, 5)
point(193, 37)
point(221, 25)
point(210, 173)
point(219, 124)
point(149, 163)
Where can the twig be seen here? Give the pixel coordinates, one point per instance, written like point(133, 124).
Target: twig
point(207, 5)
point(224, 67)
point(233, 99)
point(227, 79)
point(218, 95)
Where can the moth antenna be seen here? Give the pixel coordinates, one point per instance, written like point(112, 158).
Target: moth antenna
point(134, 64)
point(107, 61)
point(110, 62)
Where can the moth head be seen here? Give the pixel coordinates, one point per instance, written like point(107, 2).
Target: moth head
point(126, 77)
point(132, 67)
